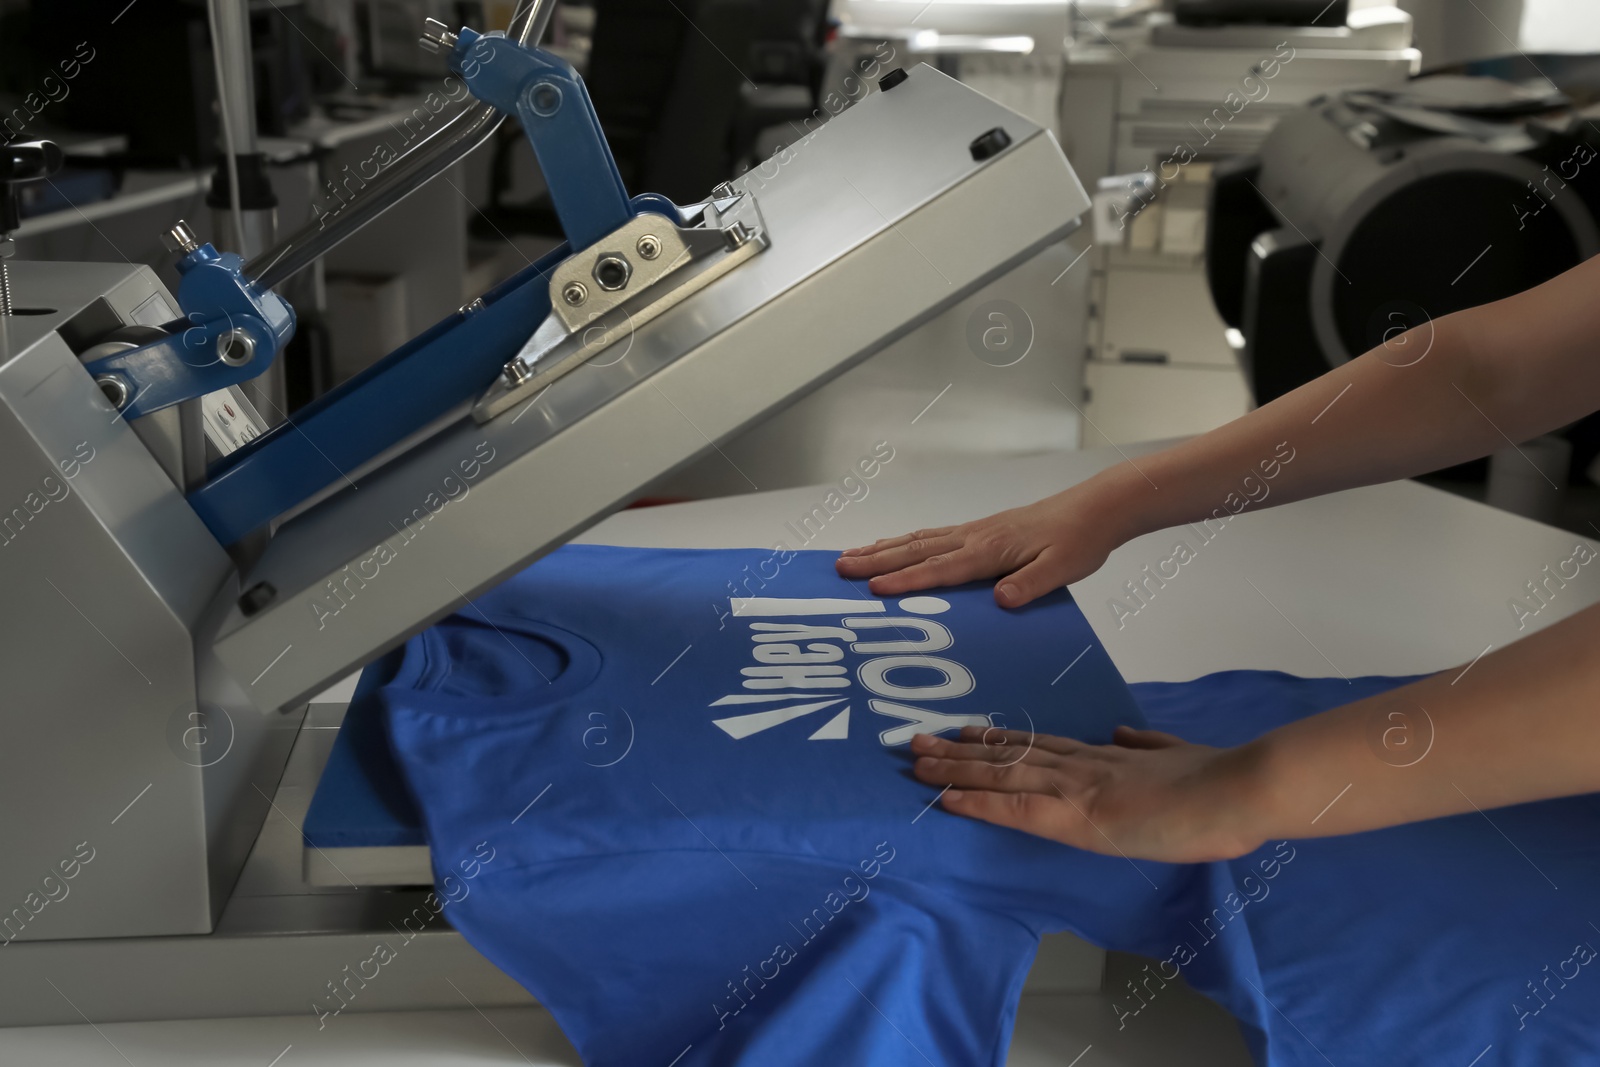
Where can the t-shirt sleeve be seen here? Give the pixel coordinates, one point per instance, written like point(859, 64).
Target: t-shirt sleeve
point(746, 958)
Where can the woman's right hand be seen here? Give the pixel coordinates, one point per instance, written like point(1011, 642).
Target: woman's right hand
point(1032, 550)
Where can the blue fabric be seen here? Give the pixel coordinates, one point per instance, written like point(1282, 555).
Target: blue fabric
point(361, 800)
point(663, 883)
point(1433, 943)
point(672, 887)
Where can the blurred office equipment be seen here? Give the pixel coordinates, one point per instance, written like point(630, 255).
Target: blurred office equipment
point(1010, 52)
point(162, 52)
point(1368, 213)
point(684, 93)
point(1163, 102)
point(1448, 31)
point(1000, 373)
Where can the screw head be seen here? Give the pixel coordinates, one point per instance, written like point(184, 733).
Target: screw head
point(736, 236)
point(515, 373)
point(612, 272)
point(574, 293)
point(989, 143)
point(649, 246)
point(180, 239)
point(436, 36)
point(115, 390)
point(544, 99)
point(256, 597)
point(236, 347)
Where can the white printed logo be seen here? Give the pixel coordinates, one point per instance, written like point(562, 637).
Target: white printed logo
point(800, 650)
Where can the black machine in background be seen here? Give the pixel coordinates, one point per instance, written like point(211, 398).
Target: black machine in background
point(153, 78)
point(1370, 212)
point(683, 91)
point(1261, 12)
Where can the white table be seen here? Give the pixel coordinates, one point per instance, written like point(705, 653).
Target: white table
point(1389, 579)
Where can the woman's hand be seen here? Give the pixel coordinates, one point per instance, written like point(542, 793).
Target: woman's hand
point(1149, 795)
point(1032, 550)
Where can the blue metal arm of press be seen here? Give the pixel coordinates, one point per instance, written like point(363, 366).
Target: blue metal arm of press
point(344, 428)
point(460, 356)
point(550, 100)
point(217, 298)
point(453, 360)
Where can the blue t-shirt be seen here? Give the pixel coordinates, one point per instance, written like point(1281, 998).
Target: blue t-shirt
point(669, 793)
point(1472, 940)
point(691, 770)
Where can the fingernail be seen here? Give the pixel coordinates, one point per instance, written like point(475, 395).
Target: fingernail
point(1008, 592)
point(952, 794)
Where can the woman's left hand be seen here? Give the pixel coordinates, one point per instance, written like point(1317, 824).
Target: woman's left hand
point(1148, 795)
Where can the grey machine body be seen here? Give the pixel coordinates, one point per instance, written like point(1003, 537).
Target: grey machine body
point(148, 721)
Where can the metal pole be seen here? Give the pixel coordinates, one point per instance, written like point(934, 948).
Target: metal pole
point(249, 209)
point(243, 205)
point(239, 91)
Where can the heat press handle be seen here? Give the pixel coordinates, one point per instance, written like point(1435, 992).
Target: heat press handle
point(25, 161)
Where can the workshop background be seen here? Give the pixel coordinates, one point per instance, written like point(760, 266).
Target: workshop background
point(1106, 338)
point(1112, 337)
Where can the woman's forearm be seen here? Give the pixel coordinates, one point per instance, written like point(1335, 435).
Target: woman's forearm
point(1452, 390)
point(1521, 724)
point(1444, 393)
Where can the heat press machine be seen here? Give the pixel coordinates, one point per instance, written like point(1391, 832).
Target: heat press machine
point(169, 615)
